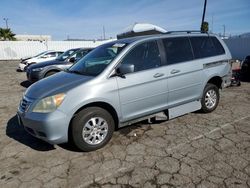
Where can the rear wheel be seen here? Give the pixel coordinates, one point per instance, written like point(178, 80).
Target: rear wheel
point(92, 128)
point(210, 98)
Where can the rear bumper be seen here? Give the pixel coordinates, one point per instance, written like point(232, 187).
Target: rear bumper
point(226, 80)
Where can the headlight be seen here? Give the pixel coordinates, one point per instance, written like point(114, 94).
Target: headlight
point(49, 104)
point(37, 69)
point(24, 62)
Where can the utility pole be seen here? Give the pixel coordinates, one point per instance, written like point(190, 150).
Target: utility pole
point(103, 30)
point(6, 22)
point(204, 12)
point(212, 28)
point(224, 31)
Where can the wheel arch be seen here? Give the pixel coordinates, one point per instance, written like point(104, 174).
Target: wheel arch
point(216, 80)
point(101, 104)
point(50, 70)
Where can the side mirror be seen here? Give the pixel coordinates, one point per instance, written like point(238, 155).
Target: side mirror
point(125, 69)
point(72, 59)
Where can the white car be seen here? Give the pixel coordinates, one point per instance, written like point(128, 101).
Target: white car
point(44, 56)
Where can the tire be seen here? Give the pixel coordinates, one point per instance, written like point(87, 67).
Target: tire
point(210, 98)
point(50, 73)
point(85, 128)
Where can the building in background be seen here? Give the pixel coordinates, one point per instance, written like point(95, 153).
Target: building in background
point(33, 37)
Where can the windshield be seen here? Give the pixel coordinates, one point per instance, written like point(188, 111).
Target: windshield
point(97, 60)
point(65, 55)
point(41, 53)
point(79, 54)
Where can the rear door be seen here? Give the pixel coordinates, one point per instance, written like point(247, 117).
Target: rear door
point(183, 73)
point(144, 91)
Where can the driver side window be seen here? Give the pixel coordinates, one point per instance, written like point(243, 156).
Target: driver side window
point(144, 56)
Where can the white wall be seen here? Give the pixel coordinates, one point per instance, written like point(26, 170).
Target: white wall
point(12, 50)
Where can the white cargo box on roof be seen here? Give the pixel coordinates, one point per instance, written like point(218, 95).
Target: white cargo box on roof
point(139, 29)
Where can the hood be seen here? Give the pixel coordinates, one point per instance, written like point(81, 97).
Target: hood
point(45, 63)
point(26, 58)
point(58, 83)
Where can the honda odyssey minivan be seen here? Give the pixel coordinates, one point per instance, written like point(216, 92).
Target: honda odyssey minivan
point(125, 81)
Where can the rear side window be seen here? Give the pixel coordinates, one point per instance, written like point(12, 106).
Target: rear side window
point(206, 47)
point(144, 56)
point(178, 50)
point(219, 48)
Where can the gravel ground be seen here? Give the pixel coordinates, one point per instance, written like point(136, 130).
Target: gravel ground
point(195, 150)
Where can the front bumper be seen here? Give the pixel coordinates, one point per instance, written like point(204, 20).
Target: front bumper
point(33, 76)
point(21, 66)
point(50, 127)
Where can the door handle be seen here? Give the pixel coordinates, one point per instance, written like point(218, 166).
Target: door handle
point(157, 75)
point(174, 71)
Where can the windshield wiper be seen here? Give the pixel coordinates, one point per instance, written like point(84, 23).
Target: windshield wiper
point(81, 73)
point(74, 71)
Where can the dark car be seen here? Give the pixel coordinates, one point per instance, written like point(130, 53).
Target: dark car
point(245, 68)
point(45, 69)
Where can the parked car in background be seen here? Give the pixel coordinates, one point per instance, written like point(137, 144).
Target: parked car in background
point(126, 81)
point(245, 68)
point(44, 56)
point(41, 70)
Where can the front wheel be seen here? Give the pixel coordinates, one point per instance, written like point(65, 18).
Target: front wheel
point(210, 98)
point(50, 73)
point(92, 128)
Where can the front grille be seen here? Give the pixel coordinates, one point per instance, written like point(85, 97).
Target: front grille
point(24, 104)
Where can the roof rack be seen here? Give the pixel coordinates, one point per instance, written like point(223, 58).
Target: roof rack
point(190, 31)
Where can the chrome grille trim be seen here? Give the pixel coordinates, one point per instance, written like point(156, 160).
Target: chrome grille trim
point(24, 104)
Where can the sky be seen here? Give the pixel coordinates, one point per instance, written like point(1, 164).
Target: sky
point(85, 18)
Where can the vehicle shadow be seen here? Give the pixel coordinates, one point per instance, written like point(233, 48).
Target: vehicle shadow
point(25, 84)
point(17, 132)
point(70, 147)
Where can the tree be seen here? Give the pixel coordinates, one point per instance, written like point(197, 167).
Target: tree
point(6, 34)
point(204, 27)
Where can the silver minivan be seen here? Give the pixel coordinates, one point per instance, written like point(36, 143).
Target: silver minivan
point(125, 81)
